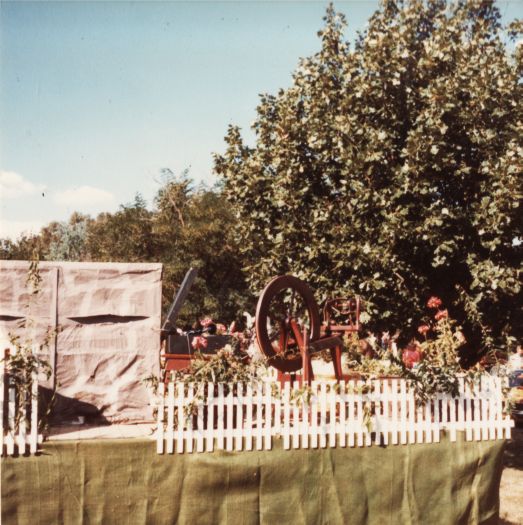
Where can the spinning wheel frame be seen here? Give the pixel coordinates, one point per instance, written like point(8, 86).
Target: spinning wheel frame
point(288, 326)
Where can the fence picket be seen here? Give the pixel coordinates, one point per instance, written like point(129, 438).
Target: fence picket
point(277, 408)
point(332, 416)
point(507, 423)
point(484, 408)
point(403, 411)
point(200, 433)
point(22, 422)
point(412, 416)
point(248, 420)
point(267, 430)
point(170, 417)
point(476, 411)
point(469, 421)
point(295, 426)
point(420, 424)
point(461, 406)
point(209, 433)
point(428, 421)
point(371, 420)
point(342, 433)
point(394, 385)
point(229, 418)
point(239, 417)
point(385, 411)
point(452, 419)
point(350, 428)
point(189, 432)
point(499, 409)
point(220, 434)
point(286, 416)
point(304, 424)
point(359, 414)
point(491, 408)
point(180, 414)
point(436, 427)
point(323, 415)
point(314, 415)
point(259, 416)
point(159, 419)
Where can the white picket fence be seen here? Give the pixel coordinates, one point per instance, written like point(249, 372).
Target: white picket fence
point(22, 437)
point(193, 418)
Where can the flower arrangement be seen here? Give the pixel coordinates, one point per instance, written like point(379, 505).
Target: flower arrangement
point(432, 364)
point(366, 358)
point(226, 366)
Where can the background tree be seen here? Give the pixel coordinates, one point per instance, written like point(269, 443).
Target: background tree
point(67, 240)
point(393, 169)
point(22, 248)
point(125, 235)
point(193, 229)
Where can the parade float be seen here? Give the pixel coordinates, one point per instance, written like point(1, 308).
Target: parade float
point(288, 422)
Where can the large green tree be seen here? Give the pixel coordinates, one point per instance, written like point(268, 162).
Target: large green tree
point(392, 169)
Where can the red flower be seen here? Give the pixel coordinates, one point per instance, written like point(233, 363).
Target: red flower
point(410, 356)
point(199, 342)
point(423, 329)
point(441, 314)
point(206, 322)
point(434, 302)
point(221, 328)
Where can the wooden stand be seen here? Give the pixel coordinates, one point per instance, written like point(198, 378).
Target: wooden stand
point(307, 349)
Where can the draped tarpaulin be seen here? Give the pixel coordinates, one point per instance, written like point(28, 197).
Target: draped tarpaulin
point(105, 324)
point(125, 481)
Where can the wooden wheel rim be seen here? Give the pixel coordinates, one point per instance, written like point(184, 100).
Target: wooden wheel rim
point(278, 284)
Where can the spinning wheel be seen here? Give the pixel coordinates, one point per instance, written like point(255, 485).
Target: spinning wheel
point(287, 317)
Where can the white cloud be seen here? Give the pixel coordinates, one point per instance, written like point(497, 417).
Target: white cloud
point(84, 198)
point(13, 185)
point(13, 229)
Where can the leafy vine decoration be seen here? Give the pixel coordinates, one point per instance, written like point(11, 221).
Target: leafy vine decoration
point(22, 361)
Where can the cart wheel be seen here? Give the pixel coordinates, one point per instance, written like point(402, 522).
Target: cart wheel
point(285, 302)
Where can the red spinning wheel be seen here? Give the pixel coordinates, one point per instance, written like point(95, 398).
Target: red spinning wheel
point(285, 307)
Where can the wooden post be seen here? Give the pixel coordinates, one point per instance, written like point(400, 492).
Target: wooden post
point(53, 348)
point(159, 418)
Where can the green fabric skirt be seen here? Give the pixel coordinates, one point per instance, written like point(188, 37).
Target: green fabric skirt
point(126, 482)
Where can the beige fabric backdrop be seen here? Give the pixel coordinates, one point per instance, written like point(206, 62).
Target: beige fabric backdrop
point(109, 315)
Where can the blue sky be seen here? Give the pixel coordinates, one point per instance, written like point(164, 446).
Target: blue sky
point(97, 97)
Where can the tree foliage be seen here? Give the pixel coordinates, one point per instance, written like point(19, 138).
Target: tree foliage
point(125, 235)
point(193, 228)
point(392, 169)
